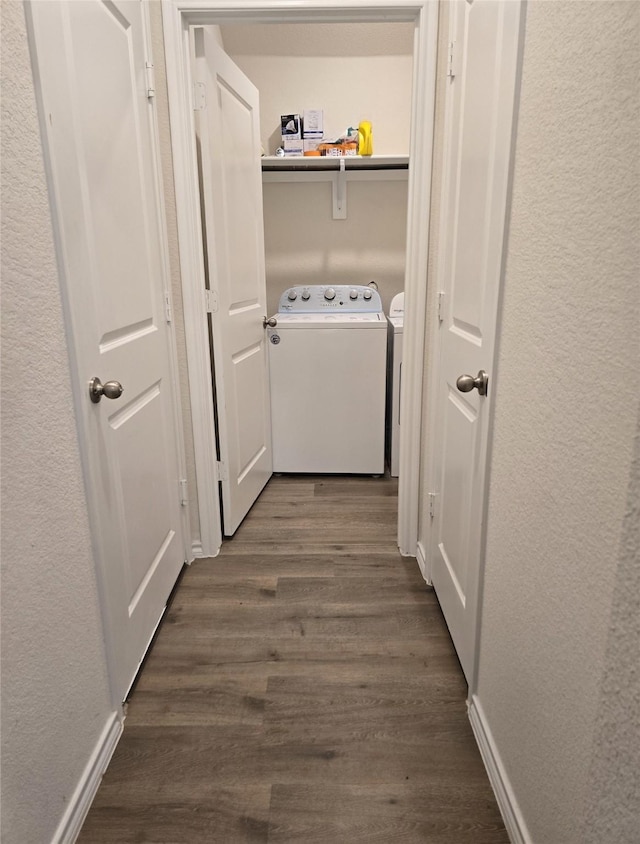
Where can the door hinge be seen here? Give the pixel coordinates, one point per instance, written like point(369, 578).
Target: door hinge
point(199, 96)
point(167, 307)
point(452, 61)
point(222, 470)
point(432, 504)
point(183, 493)
point(151, 80)
point(441, 306)
point(211, 301)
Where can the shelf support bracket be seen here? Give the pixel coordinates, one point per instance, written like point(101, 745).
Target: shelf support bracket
point(339, 192)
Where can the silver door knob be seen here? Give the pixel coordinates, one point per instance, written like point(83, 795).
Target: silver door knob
point(112, 390)
point(271, 322)
point(466, 383)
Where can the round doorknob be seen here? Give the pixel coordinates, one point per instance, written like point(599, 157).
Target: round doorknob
point(112, 390)
point(271, 322)
point(466, 383)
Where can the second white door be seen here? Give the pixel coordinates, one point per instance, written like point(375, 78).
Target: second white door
point(229, 134)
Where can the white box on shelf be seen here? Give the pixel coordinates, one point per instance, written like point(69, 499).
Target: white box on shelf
point(312, 122)
point(292, 146)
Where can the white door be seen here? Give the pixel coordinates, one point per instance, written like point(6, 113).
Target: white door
point(479, 124)
point(101, 146)
point(229, 132)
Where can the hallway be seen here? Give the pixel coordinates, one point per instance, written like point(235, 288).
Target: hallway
point(302, 688)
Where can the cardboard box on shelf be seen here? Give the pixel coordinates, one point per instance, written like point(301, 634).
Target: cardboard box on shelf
point(338, 149)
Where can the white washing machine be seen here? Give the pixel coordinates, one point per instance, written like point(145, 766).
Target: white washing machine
point(394, 375)
point(327, 361)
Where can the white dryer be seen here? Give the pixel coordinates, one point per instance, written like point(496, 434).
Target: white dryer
point(327, 361)
point(394, 385)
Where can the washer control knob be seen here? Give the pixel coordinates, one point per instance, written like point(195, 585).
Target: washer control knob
point(329, 293)
point(292, 295)
point(353, 294)
point(306, 295)
point(367, 294)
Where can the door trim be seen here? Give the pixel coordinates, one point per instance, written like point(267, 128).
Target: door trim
point(178, 16)
point(177, 45)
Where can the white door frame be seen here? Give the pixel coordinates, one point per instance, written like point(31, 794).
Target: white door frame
point(73, 332)
point(178, 16)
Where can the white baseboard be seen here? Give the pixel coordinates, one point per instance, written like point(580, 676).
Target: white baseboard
point(422, 562)
point(507, 803)
point(198, 553)
point(82, 798)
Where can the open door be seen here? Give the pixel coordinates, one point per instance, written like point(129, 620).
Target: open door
point(229, 132)
point(479, 126)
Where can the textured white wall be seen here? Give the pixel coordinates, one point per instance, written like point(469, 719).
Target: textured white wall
point(612, 803)
point(304, 245)
point(353, 72)
point(55, 700)
point(567, 389)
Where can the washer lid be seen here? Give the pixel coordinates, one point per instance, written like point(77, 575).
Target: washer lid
point(332, 320)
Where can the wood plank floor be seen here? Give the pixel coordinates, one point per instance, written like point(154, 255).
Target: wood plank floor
point(302, 688)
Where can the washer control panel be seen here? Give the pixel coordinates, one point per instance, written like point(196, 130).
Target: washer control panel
point(320, 298)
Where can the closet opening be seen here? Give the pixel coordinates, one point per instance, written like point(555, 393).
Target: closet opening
point(354, 65)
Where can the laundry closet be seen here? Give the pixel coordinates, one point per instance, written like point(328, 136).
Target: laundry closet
point(338, 222)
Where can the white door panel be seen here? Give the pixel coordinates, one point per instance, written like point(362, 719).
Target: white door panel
point(479, 122)
point(101, 145)
point(229, 130)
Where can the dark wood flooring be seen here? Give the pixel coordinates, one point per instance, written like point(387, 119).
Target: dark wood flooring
point(302, 688)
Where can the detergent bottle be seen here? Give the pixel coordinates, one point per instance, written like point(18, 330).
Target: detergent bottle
point(365, 138)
